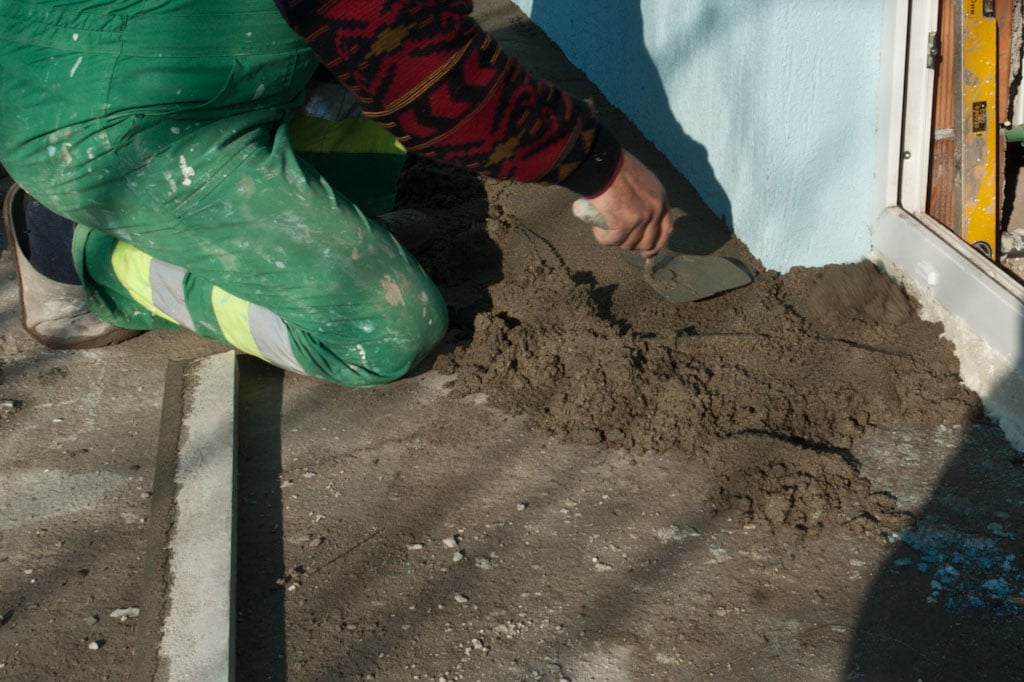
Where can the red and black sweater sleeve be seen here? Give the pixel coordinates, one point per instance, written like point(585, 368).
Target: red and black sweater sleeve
point(425, 70)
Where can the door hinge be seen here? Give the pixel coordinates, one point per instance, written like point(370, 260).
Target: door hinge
point(933, 51)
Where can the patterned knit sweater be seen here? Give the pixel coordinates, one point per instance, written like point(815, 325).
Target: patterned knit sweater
point(425, 70)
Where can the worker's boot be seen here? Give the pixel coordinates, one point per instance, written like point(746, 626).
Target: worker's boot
point(411, 227)
point(53, 312)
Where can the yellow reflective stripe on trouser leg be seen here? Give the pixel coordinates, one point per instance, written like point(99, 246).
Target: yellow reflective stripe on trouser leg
point(254, 330)
point(132, 268)
point(159, 287)
point(233, 318)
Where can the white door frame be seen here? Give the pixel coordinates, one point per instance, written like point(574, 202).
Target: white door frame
point(980, 305)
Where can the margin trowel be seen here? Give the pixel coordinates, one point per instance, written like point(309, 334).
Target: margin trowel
point(679, 277)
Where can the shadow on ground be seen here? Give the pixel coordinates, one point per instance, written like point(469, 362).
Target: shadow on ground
point(260, 549)
point(947, 603)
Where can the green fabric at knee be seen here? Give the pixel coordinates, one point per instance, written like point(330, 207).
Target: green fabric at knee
point(409, 322)
point(383, 354)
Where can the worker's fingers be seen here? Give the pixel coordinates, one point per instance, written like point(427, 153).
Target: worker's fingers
point(634, 236)
point(660, 236)
point(648, 238)
point(606, 237)
point(632, 213)
point(648, 235)
point(644, 234)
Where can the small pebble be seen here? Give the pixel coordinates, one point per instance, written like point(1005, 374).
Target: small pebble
point(415, 546)
point(451, 542)
point(458, 556)
point(521, 506)
point(125, 614)
point(92, 620)
point(461, 598)
point(95, 645)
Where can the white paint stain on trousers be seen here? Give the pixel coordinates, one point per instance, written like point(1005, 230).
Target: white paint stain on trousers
point(392, 292)
point(187, 171)
point(78, 62)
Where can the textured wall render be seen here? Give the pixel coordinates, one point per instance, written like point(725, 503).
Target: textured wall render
point(767, 107)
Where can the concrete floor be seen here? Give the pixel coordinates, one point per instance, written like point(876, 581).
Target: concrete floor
point(77, 458)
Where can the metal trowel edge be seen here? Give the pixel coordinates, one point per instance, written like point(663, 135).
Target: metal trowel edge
point(681, 277)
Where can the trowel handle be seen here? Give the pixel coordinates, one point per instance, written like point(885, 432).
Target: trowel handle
point(588, 213)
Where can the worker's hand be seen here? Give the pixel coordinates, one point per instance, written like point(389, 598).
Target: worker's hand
point(633, 213)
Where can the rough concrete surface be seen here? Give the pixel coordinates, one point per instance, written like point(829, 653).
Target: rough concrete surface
point(188, 633)
point(587, 482)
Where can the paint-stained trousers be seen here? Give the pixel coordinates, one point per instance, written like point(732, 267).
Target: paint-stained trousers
point(202, 199)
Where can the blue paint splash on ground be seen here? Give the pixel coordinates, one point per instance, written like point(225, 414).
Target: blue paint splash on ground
point(967, 570)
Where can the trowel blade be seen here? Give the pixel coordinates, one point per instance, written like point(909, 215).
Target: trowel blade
point(682, 277)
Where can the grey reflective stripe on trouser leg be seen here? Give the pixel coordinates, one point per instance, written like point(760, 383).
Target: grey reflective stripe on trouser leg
point(167, 282)
point(271, 336)
point(268, 331)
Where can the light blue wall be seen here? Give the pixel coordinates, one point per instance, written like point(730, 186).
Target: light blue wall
point(768, 107)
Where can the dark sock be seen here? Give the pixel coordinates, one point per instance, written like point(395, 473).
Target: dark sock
point(46, 242)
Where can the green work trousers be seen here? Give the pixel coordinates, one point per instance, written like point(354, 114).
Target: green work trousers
point(169, 135)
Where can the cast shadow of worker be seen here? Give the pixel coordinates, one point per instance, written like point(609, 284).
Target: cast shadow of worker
point(615, 33)
point(461, 259)
point(948, 602)
point(260, 606)
point(455, 249)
